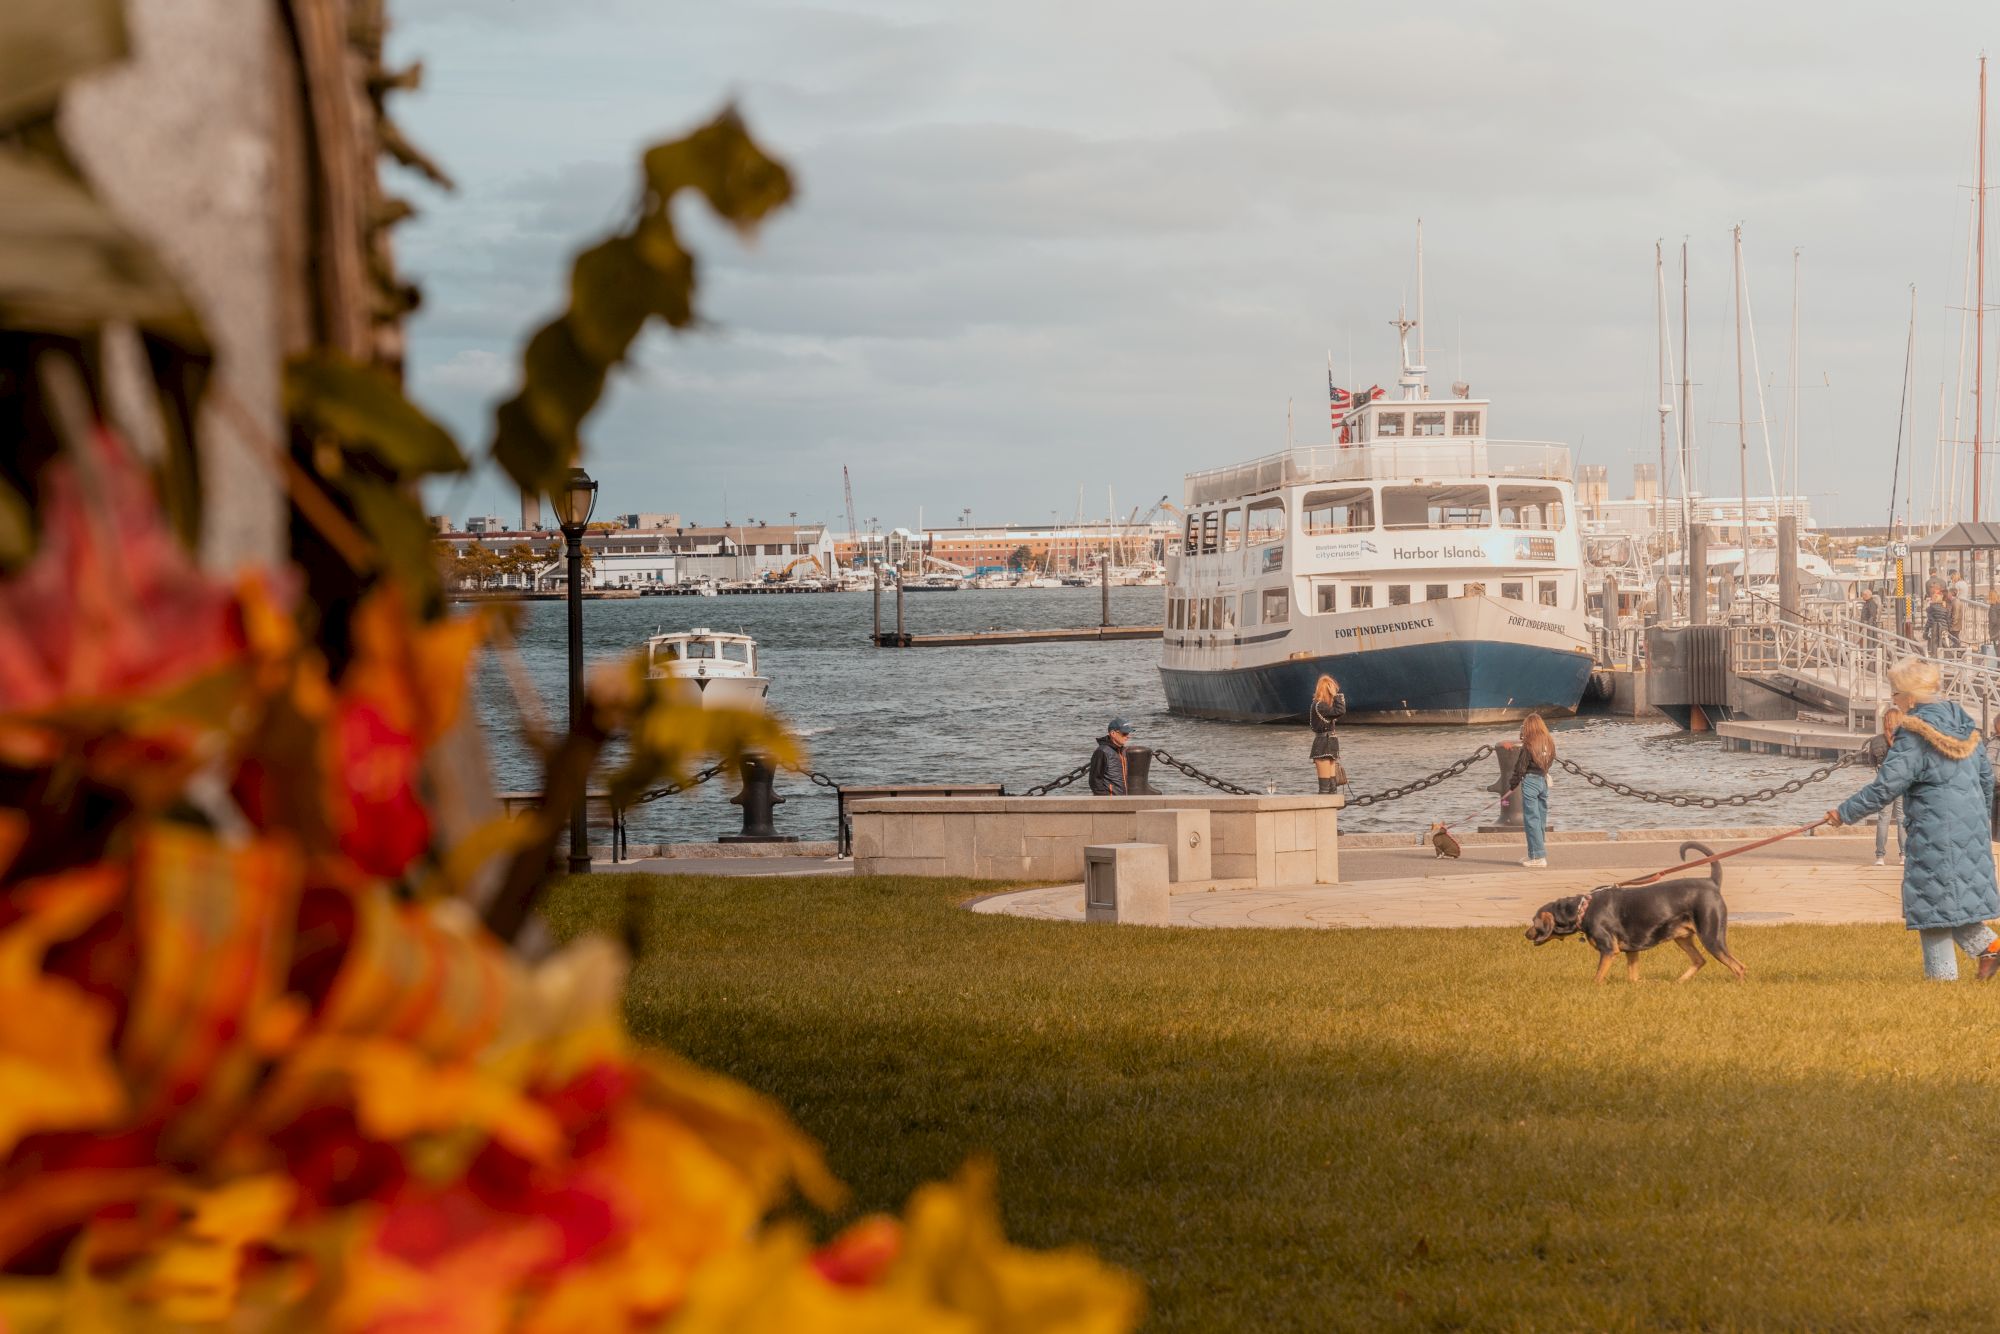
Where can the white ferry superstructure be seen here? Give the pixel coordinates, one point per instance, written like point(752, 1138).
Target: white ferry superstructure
point(1435, 573)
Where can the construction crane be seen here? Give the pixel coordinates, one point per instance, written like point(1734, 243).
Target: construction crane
point(852, 541)
point(1136, 522)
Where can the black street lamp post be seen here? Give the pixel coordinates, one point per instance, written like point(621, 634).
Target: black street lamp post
point(573, 507)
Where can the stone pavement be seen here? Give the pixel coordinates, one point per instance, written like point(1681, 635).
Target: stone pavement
point(1826, 879)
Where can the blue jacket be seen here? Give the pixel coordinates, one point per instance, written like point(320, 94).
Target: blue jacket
point(1940, 770)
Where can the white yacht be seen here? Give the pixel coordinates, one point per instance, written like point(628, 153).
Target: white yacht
point(721, 665)
point(1433, 572)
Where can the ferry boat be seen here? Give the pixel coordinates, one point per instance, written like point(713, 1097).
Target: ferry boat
point(1434, 572)
point(721, 665)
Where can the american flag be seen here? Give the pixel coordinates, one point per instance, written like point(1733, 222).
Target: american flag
point(1338, 400)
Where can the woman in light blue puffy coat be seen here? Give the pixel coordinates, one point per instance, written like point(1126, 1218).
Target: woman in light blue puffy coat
point(1938, 766)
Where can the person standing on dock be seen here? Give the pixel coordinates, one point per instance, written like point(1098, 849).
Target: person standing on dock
point(1869, 613)
point(1532, 762)
point(1961, 619)
point(1328, 704)
point(1877, 750)
point(1940, 769)
point(1992, 645)
point(1937, 621)
point(1107, 762)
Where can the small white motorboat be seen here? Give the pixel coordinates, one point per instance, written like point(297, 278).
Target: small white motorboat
point(722, 666)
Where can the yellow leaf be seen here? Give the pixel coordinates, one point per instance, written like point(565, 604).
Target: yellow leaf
point(55, 1060)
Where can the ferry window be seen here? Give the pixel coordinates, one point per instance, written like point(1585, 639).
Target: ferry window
point(1475, 590)
point(1389, 424)
point(1468, 506)
point(1277, 607)
point(667, 653)
point(1531, 507)
point(1511, 591)
point(1361, 595)
point(1201, 613)
point(1349, 511)
point(1249, 609)
point(736, 653)
point(1225, 614)
point(1465, 423)
point(700, 648)
point(1211, 527)
point(1173, 613)
point(1191, 543)
point(1232, 529)
point(1267, 521)
point(1429, 423)
point(1436, 592)
point(1548, 590)
point(1326, 594)
point(1399, 595)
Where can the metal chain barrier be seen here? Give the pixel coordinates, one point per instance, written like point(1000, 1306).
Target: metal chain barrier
point(1708, 803)
point(1054, 783)
point(816, 778)
point(674, 789)
point(1219, 784)
point(1451, 770)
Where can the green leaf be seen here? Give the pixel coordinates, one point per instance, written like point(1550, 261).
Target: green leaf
point(535, 462)
point(560, 381)
point(68, 266)
point(46, 43)
point(363, 407)
point(740, 181)
point(401, 533)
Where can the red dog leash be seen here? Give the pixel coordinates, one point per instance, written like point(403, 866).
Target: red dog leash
point(1658, 876)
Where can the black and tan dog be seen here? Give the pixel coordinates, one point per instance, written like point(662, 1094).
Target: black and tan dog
point(1626, 921)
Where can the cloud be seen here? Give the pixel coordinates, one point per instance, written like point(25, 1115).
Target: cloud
point(1042, 244)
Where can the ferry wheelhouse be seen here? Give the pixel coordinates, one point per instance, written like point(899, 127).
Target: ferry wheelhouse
point(1433, 572)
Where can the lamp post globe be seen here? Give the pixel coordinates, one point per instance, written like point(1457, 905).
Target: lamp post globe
point(573, 505)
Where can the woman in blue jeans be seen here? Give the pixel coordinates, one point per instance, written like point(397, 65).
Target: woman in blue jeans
point(1530, 774)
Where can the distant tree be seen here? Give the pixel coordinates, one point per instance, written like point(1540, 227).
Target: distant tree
point(1019, 560)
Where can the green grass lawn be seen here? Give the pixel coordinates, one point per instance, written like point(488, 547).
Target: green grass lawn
point(1353, 1129)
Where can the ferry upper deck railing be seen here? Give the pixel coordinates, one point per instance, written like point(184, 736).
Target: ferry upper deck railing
point(1428, 457)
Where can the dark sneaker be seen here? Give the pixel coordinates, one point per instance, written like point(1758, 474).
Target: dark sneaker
point(1989, 961)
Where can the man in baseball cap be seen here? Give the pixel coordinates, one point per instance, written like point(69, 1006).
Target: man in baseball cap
point(1107, 762)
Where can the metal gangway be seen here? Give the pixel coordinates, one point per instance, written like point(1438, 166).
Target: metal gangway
point(1834, 663)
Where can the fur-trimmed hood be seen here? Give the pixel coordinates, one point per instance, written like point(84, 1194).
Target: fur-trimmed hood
point(1944, 727)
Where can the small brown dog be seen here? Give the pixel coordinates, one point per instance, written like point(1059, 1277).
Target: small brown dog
point(1441, 839)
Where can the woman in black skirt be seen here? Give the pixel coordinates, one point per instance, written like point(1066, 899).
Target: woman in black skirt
point(1327, 706)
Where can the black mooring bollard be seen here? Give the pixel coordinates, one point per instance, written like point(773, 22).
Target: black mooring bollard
point(1509, 817)
point(758, 800)
point(1138, 772)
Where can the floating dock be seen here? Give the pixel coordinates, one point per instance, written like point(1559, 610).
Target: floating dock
point(978, 638)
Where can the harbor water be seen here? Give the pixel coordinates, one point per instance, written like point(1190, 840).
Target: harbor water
point(1023, 714)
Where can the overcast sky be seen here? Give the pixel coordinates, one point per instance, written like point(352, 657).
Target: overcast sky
point(1042, 246)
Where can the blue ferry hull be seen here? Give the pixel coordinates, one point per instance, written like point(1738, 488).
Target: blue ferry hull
point(1447, 682)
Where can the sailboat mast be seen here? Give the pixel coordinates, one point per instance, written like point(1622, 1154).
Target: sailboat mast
point(1660, 484)
point(1979, 303)
point(1687, 452)
point(1792, 418)
point(1742, 421)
